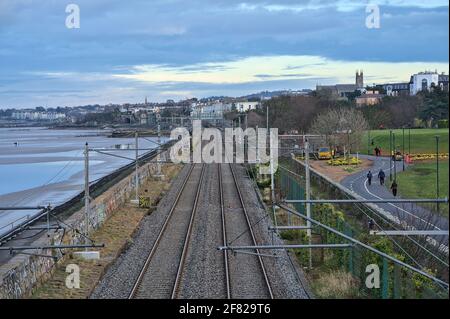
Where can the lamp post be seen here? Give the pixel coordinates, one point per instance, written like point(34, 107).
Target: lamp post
point(409, 141)
point(403, 148)
point(394, 157)
point(390, 155)
point(437, 169)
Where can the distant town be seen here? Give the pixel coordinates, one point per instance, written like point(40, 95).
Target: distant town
point(357, 94)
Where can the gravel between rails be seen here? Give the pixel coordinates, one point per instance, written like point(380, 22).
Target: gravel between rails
point(246, 276)
point(286, 281)
point(159, 278)
point(204, 274)
point(119, 278)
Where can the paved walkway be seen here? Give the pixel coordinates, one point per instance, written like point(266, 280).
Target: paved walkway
point(412, 214)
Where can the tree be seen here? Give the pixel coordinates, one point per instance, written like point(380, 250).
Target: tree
point(377, 117)
point(434, 106)
point(289, 113)
point(342, 126)
point(402, 109)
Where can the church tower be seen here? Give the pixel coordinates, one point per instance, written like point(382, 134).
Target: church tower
point(359, 79)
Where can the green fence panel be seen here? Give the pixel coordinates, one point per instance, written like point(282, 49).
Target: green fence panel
point(397, 282)
point(385, 280)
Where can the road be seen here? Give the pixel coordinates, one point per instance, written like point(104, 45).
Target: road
point(413, 214)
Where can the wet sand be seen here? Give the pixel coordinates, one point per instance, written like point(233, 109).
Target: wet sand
point(46, 167)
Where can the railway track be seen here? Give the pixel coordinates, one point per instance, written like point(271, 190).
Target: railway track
point(245, 274)
point(224, 235)
point(165, 273)
point(159, 276)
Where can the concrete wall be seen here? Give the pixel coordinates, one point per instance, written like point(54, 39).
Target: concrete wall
point(23, 273)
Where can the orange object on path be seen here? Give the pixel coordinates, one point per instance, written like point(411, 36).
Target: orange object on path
point(408, 159)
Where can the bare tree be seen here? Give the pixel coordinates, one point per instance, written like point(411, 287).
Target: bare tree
point(342, 126)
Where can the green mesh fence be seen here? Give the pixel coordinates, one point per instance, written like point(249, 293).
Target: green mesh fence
point(376, 276)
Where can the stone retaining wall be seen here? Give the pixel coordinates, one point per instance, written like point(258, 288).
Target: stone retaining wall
point(23, 273)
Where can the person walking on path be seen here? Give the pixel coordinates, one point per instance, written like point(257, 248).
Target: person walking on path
point(394, 188)
point(377, 151)
point(369, 177)
point(381, 176)
point(371, 224)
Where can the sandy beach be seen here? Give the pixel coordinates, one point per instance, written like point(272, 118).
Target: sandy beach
point(39, 166)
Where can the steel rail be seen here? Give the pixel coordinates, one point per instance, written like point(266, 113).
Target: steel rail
point(187, 239)
point(144, 268)
point(224, 232)
point(95, 186)
point(261, 263)
point(351, 201)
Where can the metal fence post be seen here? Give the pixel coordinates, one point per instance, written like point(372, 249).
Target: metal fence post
point(397, 282)
point(385, 280)
point(350, 254)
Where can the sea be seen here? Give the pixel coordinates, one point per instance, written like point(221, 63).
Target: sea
point(42, 166)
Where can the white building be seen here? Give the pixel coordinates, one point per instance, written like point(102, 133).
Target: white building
point(210, 110)
point(38, 116)
point(423, 81)
point(246, 106)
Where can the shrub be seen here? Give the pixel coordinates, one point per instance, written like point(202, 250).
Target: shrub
point(337, 285)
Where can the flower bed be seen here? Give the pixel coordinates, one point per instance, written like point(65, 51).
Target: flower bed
point(344, 161)
point(424, 156)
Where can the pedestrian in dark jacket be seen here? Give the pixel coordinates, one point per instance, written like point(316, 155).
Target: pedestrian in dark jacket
point(381, 176)
point(371, 224)
point(394, 188)
point(377, 151)
point(369, 177)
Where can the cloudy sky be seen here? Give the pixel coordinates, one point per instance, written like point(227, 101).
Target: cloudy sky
point(173, 49)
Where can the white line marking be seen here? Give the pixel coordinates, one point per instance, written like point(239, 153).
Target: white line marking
point(427, 223)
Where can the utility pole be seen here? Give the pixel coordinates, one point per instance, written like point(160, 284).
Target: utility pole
point(272, 180)
point(245, 136)
point(86, 194)
point(257, 156)
point(390, 155)
point(308, 196)
point(267, 118)
point(403, 150)
point(395, 158)
point(136, 167)
point(409, 141)
point(437, 169)
point(158, 151)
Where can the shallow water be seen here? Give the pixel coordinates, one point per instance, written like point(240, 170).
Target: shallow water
point(40, 166)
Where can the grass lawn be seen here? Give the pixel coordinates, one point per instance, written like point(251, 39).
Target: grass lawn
point(422, 140)
point(419, 181)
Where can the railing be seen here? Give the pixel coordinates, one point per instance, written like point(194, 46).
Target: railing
point(96, 189)
point(14, 223)
point(395, 280)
